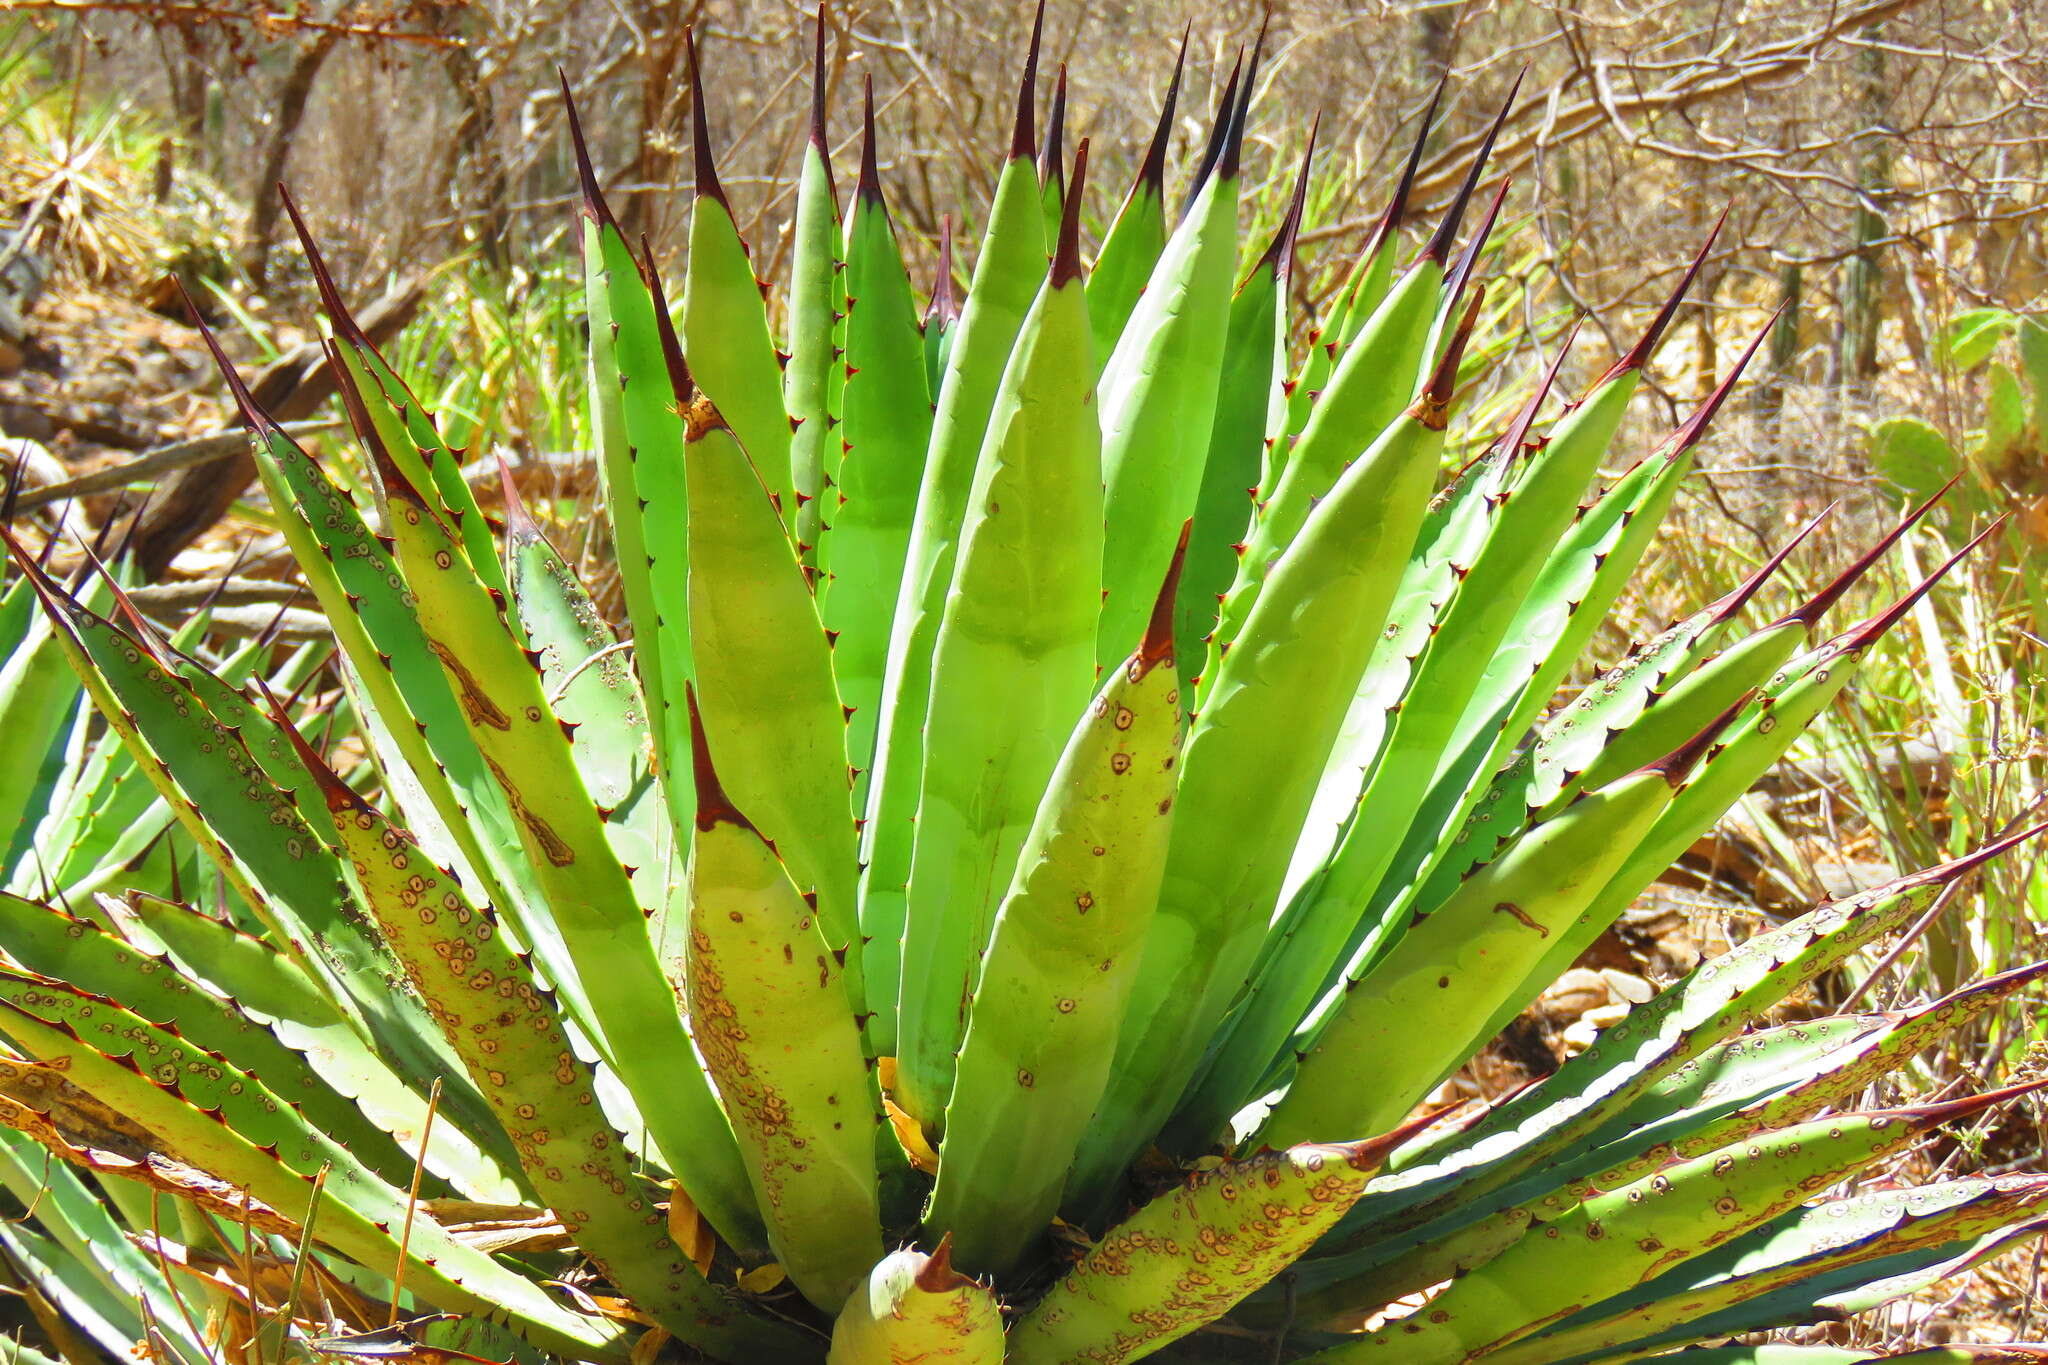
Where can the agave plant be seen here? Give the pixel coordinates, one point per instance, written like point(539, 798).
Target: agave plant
point(1003, 894)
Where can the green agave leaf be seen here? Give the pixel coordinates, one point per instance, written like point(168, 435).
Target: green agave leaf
point(81, 1225)
point(725, 319)
point(1791, 1262)
point(884, 433)
point(51, 943)
point(770, 1015)
point(220, 1119)
point(601, 923)
point(816, 301)
point(1007, 275)
point(1019, 624)
point(1042, 1024)
point(1407, 1023)
point(1133, 1292)
point(263, 983)
point(1158, 402)
point(496, 1017)
point(1743, 1086)
point(1712, 1004)
point(591, 687)
point(766, 680)
point(1136, 237)
point(1254, 362)
point(917, 1307)
point(1624, 1237)
point(639, 439)
point(1253, 755)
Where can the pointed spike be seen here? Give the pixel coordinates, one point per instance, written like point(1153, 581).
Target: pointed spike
point(714, 807)
point(1157, 646)
point(1024, 137)
point(1066, 260)
point(1152, 171)
point(1993, 987)
point(1517, 433)
point(594, 207)
point(1279, 255)
point(937, 1275)
point(1677, 765)
point(1240, 118)
point(337, 793)
point(1688, 436)
point(1639, 354)
point(338, 316)
point(945, 303)
point(1725, 608)
point(1811, 611)
point(1219, 133)
point(1051, 167)
point(1926, 1116)
point(1439, 248)
point(1955, 869)
point(1397, 207)
point(680, 383)
point(1862, 636)
point(396, 484)
point(1433, 407)
point(870, 184)
point(255, 418)
point(700, 127)
point(1469, 261)
point(818, 138)
point(519, 522)
point(1369, 1154)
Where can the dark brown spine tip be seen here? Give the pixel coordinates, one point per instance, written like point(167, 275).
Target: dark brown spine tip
point(944, 309)
point(520, 526)
point(253, 416)
point(1724, 608)
point(1640, 354)
point(700, 127)
point(1279, 257)
point(333, 790)
point(1954, 870)
point(1469, 261)
point(714, 807)
point(1024, 136)
point(1517, 434)
point(1219, 133)
point(338, 316)
point(396, 484)
point(818, 138)
point(1433, 407)
point(1688, 436)
point(1066, 259)
point(869, 188)
point(1925, 1116)
point(1371, 1153)
point(936, 1275)
point(680, 383)
point(1157, 646)
point(1810, 612)
point(1869, 632)
point(594, 207)
point(1152, 171)
point(1678, 765)
point(1439, 248)
point(1240, 118)
point(1051, 156)
point(1397, 207)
